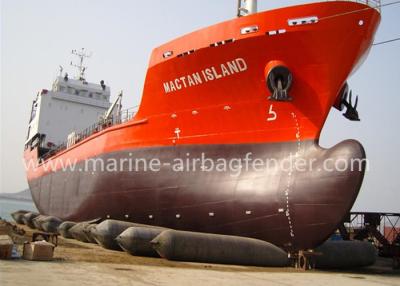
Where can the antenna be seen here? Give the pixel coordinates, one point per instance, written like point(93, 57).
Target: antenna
point(81, 68)
point(246, 7)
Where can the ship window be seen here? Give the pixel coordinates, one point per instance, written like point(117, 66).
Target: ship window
point(61, 88)
point(220, 43)
point(76, 92)
point(303, 21)
point(217, 44)
point(186, 53)
point(276, 32)
point(168, 54)
point(90, 95)
point(249, 29)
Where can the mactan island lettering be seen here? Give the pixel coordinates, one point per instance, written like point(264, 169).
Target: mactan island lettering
point(209, 74)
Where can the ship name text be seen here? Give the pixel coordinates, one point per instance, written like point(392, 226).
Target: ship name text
point(209, 74)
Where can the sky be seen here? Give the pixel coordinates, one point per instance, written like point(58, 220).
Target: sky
point(38, 36)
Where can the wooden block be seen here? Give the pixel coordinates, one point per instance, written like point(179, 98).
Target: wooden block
point(6, 246)
point(38, 250)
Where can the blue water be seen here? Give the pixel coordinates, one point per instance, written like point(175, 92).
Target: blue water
point(7, 206)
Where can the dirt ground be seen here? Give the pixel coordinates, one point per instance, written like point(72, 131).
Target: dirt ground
point(77, 263)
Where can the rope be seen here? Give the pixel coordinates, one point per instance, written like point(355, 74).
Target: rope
point(385, 42)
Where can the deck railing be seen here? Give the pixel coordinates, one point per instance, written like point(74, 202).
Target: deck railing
point(115, 119)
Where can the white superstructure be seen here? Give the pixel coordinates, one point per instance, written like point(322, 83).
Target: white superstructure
point(246, 7)
point(70, 106)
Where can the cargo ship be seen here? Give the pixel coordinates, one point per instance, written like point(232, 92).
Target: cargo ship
point(251, 89)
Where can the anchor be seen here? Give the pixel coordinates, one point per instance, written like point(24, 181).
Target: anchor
point(351, 111)
point(280, 93)
point(343, 100)
point(279, 80)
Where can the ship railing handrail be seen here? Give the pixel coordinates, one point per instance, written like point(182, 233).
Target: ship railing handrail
point(376, 4)
point(115, 119)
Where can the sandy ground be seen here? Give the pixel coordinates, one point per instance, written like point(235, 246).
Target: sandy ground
point(85, 273)
point(78, 263)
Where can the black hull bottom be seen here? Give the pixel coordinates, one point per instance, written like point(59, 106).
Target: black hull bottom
point(295, 209)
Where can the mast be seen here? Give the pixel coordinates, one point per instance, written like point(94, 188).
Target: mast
point(246, 7)
point(81, 68)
